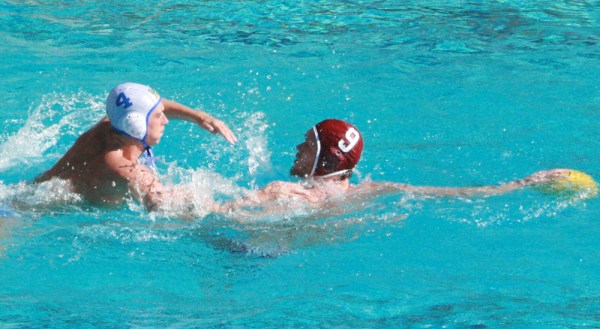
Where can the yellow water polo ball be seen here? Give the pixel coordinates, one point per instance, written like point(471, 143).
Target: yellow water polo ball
point(572, 182)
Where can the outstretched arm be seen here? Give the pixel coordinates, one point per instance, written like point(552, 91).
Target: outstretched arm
point(175, 110)
point(379, 188)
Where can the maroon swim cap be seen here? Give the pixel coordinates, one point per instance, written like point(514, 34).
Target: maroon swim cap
point(339, 147)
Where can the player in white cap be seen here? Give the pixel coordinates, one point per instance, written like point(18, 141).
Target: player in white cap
point(104, 163)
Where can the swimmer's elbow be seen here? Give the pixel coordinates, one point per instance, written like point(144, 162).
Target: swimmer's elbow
point(378, 188)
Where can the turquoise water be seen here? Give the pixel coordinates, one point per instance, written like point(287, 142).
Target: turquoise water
point(445, 93)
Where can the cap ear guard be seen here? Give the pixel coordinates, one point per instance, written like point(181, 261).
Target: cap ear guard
point(328, 162)
point(337, 153)
point(135, 123)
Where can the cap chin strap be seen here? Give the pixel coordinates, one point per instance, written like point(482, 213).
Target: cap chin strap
point(337, 173)
point(314, 168)
point(146, 146)
point(148, 160)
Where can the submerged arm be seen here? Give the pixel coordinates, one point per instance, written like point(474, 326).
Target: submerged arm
point(175, 110)
point(274, 191)
point(146, 188)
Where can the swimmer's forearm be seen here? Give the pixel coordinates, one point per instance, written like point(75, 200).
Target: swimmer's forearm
point(175, 110)
point(375, 188)
point(465, 191)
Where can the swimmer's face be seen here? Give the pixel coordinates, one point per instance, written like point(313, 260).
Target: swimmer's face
point(156, 125)
point(305, 158)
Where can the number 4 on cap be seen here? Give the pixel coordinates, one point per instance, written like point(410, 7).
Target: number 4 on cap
point(123, 100)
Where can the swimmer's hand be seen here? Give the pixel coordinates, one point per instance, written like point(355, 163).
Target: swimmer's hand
point(544, 176)
point(216, 126)
point(175, 110)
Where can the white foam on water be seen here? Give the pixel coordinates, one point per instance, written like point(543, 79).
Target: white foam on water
point(47, 197)
point(198, 187)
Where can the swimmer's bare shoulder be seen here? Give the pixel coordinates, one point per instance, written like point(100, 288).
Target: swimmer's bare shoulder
point(86, 153)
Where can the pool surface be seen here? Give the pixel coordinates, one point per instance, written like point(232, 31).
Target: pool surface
point(445, 93)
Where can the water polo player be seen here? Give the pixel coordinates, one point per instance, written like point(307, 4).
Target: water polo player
point(331, 150)
point(104, 165)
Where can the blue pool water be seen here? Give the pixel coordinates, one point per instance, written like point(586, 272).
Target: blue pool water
point(449, 93)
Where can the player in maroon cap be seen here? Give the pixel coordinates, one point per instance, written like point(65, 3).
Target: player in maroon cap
point(332, 149)
point(325, 161)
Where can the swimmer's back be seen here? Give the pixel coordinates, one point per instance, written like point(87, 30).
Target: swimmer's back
point(85, 164)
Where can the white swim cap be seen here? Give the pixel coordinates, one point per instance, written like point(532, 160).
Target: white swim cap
point(129, 106)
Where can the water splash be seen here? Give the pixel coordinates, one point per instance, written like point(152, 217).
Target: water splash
point(199, 188)
point(57, 116)
point(35, 200)
point(256, 143)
